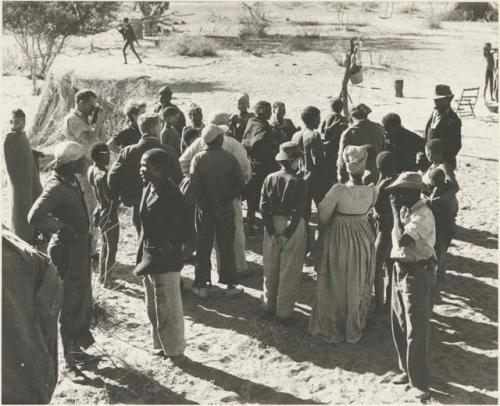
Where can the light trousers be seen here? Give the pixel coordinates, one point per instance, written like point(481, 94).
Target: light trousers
point(283, 266)
point(239, 243)
point(164, 305)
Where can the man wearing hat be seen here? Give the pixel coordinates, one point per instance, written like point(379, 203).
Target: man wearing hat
point(232, 146)
point(413, 240)
point(444, 124)
point(124, 181)
point(258, 141)
point(163, 214)
point(283, 207)
point(216, 181)
point(166, 101)
point(61, 212)
point(362, 132)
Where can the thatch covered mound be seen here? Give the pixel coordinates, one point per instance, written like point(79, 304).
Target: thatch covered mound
point(58, 99)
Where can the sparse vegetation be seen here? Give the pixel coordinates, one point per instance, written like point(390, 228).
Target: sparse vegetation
point(305, 23)
point(409, 9)
point(253, 21)
point(189, 46)
point(434, 21)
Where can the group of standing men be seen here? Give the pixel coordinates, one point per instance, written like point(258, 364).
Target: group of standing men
point(185, 182)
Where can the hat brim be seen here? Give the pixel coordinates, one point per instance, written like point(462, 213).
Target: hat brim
point(441, 96)
point(406, 185)
point(282, 156)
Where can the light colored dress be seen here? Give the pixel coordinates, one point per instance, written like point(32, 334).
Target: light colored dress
point(346, 264)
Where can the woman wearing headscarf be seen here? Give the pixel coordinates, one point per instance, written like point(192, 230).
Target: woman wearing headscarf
point(239, 120)
point(346, 264)
point(61, 212)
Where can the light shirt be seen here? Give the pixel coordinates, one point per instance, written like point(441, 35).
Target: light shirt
point(419, 224)
point(230, 145)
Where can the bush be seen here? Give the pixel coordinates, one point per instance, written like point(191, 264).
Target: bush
point(456, 15)
point(190, 46)
point(13, 62)
point(253, 21)
point(434, 22)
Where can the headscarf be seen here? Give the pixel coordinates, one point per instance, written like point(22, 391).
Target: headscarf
point(355, 159)
point(66, 152)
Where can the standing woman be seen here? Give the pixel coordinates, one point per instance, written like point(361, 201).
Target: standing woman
point(347, 258)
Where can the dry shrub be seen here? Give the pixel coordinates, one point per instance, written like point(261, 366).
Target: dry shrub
point(190, 46)
point(456, 15)
point(409, 9)
point(253, 21)
point(13, 62)
point(434, 22)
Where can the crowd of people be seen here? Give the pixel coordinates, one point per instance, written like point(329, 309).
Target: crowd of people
point(385, 197)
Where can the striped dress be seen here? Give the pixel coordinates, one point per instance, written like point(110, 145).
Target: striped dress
point(346, 264)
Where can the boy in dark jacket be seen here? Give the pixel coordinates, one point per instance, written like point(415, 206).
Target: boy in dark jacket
point(163, 216)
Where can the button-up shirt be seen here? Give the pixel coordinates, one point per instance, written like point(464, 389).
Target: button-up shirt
point(418, 223)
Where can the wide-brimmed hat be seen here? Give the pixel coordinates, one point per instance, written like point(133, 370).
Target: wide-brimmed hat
point(66, 152)
point(288, 152)
point(219, 118)
point(443, 92)
point(355, 159)
point(211, 132)
point(408, 180)
point(363, 108)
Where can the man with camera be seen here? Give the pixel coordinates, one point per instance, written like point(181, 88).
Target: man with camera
point(84, 125)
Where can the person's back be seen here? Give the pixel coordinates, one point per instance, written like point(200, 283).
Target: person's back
point(366, 132)
point(217, 176)
point(170, 136)
point(281, 188)
point(310, 142)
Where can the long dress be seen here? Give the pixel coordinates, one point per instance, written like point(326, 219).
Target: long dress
point(346, 264)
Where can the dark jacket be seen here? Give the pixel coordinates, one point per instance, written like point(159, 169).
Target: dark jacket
point(128, 136)
point(216, 179)
point(163, 215)
point(258, 140)
point(448, 128)
point(124, 178)
point(404, 147)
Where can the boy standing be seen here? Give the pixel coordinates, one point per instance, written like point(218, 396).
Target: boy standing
point(283, 208)
point(23, 174)
point(169, 134)
point(105, 216)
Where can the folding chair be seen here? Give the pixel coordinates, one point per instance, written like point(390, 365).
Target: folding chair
point(467, 102)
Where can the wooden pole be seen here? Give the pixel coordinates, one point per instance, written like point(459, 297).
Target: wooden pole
point(344, 95)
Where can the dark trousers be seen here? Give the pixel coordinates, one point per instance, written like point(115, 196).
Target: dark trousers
point(317, 187)
point(411, 309)
point(220, 223)
point(136, 218)
point(383, 245)
point(130, 44)
point(445, 228)
point(488, 80)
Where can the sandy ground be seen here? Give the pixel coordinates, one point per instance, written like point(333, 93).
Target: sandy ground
point(233, 355)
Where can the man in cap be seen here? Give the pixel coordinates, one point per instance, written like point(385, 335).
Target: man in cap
point(445, 125)
point(166, 101)
point(84, 125)
point(61, 212)
point(258, 141)
point(124, 180)
point(22, 169)
point(283, 206)
point(239, 120)
point(232, 146)
point(362, 132)
point(159, 259)
point(413, 239)
point(216, 181)
point(404, 144)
